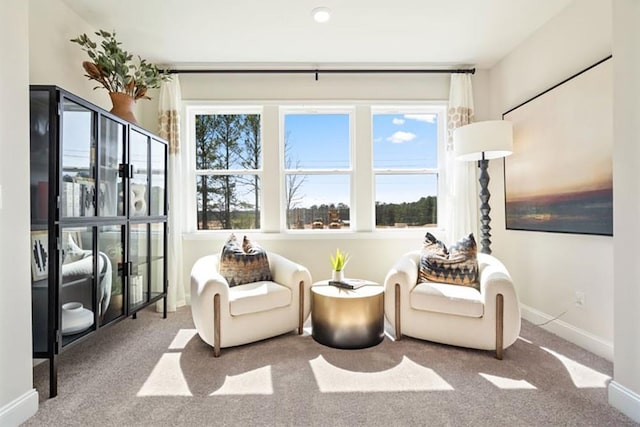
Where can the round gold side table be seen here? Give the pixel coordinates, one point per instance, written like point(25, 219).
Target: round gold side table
point(347, 318)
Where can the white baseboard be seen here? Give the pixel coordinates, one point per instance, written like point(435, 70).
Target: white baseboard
point(624, 400)
point(582, 338)
point(19, 410)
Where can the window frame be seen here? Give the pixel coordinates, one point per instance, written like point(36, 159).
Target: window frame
point(440, 111)
point(362, 202)
point(284, 110)
point(193, 110)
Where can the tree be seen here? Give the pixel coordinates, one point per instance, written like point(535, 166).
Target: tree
point(206, 158)
point(227, 136)
point(217, 147)
point(293, 181)
point(249, 155)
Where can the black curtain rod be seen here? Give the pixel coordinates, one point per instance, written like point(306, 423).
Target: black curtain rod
point(327, 71)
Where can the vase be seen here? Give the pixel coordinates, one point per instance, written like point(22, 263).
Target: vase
point(123, 106)
point(337, 276)
point(75, 318)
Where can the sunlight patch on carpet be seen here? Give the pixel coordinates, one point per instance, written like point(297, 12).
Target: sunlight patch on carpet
point(182, 338)
point(389, 336)
point(508, 383)
point(581, 375)
point(257, 381)
point(166, 379)
point(406, 376)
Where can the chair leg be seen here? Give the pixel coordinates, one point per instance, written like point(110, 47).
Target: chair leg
point(499, 326)
point(216, 325)
point(301, 307)
point(398, 329)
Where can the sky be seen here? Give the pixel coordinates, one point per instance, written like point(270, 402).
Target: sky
point(321, 141)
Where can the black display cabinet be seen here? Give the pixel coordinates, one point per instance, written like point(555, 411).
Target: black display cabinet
point(98, 194)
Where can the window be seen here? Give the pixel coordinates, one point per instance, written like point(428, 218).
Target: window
point(405, 165)
point(317, 168)
point(284, 167)
point(228, 167)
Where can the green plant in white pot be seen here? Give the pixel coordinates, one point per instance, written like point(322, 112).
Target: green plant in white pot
point(125, 78)
point(338, 262)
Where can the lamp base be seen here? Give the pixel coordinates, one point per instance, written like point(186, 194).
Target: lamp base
point(485, 219)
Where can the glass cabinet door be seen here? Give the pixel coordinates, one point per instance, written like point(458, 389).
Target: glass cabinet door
point(110, 175)
point(158, 177)
point(77, 160)
point(77, 277)
point(139, 257)
point(40, 259)
point(139, 186)
point(40, 147)
point(157, 258)
point(39, 156)
point(110, 285)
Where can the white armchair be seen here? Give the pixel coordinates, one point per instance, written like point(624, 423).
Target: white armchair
point(486, 319)
point(229, 316)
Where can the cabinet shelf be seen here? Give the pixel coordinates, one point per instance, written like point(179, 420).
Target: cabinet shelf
point(83, 280)
point(88, 220)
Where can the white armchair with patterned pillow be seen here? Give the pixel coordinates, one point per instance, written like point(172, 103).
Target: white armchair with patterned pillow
point(230, 309)
point(486, 316)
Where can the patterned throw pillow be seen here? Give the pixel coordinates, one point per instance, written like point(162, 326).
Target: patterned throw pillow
point(434, 246)
point(456, 266)
point(246, 263)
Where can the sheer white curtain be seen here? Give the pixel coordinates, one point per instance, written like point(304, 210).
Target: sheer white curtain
point(169, 123)
point(462, 194)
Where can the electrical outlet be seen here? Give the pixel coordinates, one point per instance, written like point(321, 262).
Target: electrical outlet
point(579, 299)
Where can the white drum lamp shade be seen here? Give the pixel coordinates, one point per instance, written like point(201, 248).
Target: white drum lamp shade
point(494, 138)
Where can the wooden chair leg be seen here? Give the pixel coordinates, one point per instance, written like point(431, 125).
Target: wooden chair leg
point(499, 326)
point(216, 325)
point(398, 329)
point(301, 307)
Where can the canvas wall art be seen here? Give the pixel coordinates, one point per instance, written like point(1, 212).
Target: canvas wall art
point(560, 175)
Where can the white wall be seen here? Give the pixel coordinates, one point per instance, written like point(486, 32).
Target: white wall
point(624, 390)
point(548, 268)
point(18, 399)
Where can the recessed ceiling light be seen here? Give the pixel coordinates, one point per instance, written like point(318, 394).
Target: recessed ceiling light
point(321, 14)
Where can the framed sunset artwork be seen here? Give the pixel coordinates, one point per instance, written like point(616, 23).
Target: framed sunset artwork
point(560, 175)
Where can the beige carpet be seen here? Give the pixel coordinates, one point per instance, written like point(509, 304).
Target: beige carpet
point(151, 371)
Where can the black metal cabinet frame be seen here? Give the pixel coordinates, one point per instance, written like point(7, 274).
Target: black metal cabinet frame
point(53, 196)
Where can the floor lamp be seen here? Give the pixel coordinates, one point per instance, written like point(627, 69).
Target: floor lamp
point(483, 141)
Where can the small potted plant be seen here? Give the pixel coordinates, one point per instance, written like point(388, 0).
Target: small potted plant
point(126, 79)
point(338, 263)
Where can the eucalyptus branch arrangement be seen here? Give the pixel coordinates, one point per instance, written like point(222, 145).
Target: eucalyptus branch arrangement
point(115, 69)
point(339, 261)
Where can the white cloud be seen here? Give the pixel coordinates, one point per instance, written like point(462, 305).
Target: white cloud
point(429, 118)
point(400, 137)
point(377, 140)
point(397, 121)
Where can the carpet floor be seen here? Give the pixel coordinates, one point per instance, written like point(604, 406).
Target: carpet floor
point(151, 371)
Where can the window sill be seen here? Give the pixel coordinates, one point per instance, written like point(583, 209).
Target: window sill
point(316, 234)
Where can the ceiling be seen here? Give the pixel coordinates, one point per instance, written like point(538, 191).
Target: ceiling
point(440, 33)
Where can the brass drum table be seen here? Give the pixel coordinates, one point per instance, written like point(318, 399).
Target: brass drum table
point(347, 318)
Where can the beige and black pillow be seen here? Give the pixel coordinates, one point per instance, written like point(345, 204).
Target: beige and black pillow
point(244, 263)
point(457, 266)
